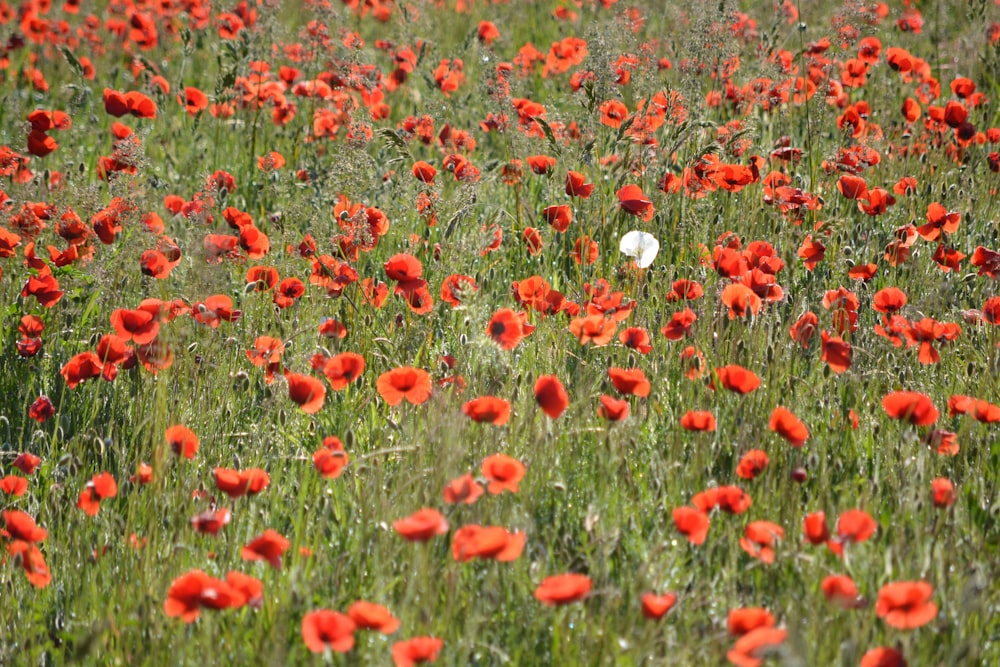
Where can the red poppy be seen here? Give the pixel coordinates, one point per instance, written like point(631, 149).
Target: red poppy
point(679, 325)
point(266, 351)
point(541, 164)
point(656, 606)
point(815, 529)
point(759, 539)
point(842, 590)
point(730, 499)
point(741, 300)
point(943, 492)
point(490, 542)
point(911, 406)
point(889, 300)
point(585, 251)
point(417, 650)
point(323, 629)
point(855, 526)
point(906, 605)
point(236, 483)
point(559, 217)
point(21, 527)
point(330, 459)
point(422, 525)
point(100, 487)
point(750, 649)
point(637, 339)
point(268, 547)
point(464, 489)
point(81, 367)
point(32, 562)
point(752, 464)
point(371, 616)
point(182, 441)
point(883, 656)
point(633, 201)
point(595, 329)
point(413, 384)
point(41, 409)
point(306, 391)
point(14, 486)
point(788, 426)
point(505, 328)
point(630, 382)
point(26, 463)
point(343, 369)
point(503, 472)
point(837, 353)
point(211, 521)
point(737, 379)
point(576, 185)
point(487, 409)
point(692, 523)
point(424, 172)
point(613, 409)
point(551, 396)
point(698, 420)
point(191, 591)
point(563, 589)
point(457, 287)
point(403, 268)
point(744, 620)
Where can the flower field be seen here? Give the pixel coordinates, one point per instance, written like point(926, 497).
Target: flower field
point(470, 332)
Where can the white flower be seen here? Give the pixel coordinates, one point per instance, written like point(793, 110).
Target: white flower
point(641, 246)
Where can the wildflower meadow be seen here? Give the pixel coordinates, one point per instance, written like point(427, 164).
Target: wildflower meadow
point(500, 332)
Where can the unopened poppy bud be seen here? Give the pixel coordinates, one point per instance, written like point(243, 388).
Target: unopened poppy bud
point(799, 475)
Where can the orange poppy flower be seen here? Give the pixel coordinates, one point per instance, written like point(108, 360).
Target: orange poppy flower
point(268, 547)
point(413, 384)
point(787, 425)
point(585, 251)
point(422, 525)
point(613, 113)
point(464, 489)
point(26, 463)
point(505, 328)
point(489, 409)
point(630, 382)
point(457, 287)
point(371, 616)
point(417, 650)
point(533, 240)
point(759, 539)
point(80, 368)
point(191, 591)
point(503, 472)
point(343, 369)
point(906, 605)
point(889, 300)
point(306, 391)
point(563, 588)
point(737, 379)
point(236, 483)
point(691, 523)
point(541, 164)
point(656, 606)
point(182, 441)
point(815, 529)
point(752, 464)
point(551, 396)
point(911, 406)
point(101, 486)
point(490, 542)
point(613, 409)
point(323, 629)
point(633, 201)
point(403, 268)
point(730, 499)
point(330, 459)
point(595, 329)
